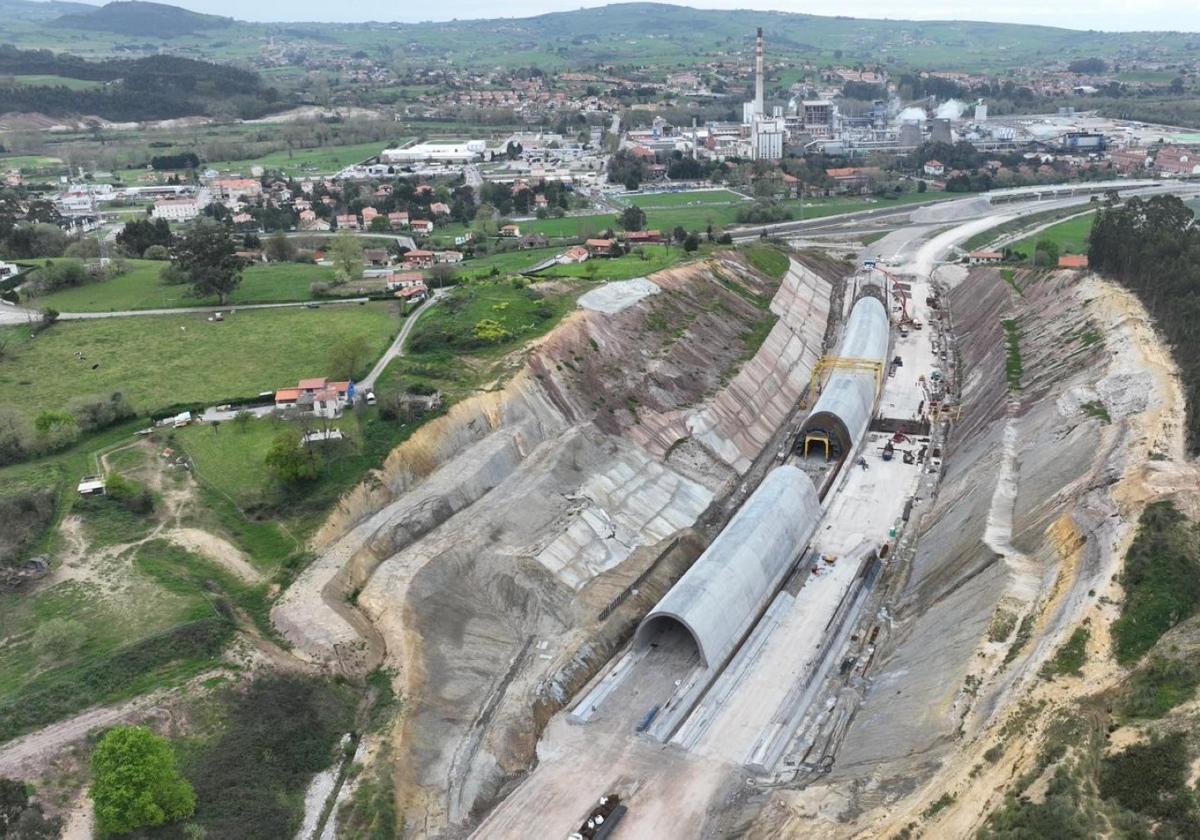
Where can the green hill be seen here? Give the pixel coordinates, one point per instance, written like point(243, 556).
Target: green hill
point(149, 20)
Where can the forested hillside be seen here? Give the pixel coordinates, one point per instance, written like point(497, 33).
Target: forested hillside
point(157, 87)
point(1153, 248)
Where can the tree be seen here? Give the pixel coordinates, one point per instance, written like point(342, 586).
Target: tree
point(136, 783)
point(691, 243)
point(1045, 253)
point(280, 249)
point(347, 255)
point(632, 218)
point(349, 357)
point(443, 275)
point(140, 234)
point(289, 461)
point(207, 255)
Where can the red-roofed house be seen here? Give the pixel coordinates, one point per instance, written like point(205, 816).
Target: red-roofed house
point(286, 397)
point(935, 168)
point(510, 230)
point(347, 222)
point(439, 208)
point(368, 213)
point(398, 220)
point(421, 226)
point(1075, 261)
point(418, 259)
point(599, 247)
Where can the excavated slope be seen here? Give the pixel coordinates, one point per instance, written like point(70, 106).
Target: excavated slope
point(506, 550)
point(1021, 536)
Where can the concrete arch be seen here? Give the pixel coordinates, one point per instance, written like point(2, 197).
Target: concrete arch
point(844, 409)
point(659, 622)
point(721, 596)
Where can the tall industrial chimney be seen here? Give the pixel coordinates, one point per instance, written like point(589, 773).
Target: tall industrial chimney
point(758, 75)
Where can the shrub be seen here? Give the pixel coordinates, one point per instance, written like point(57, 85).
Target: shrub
point(96, 412)
point(1159, 687)
point(130, 495)
point(156, 252)
point(250, 779)
point(1161, 580)
point(490, 331)
point(1151, 779)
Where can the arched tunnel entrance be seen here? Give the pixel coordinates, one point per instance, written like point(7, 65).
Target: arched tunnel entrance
point(826, 434)
point(671, 637)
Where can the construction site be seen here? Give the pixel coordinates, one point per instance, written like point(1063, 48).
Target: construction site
point(739, 598)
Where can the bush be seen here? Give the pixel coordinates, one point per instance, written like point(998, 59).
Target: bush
point(250, 779)
point(96, 412)
point(764, 212)
point(130, 495)
point(490, 331)
point(59, 692)
point(1159, 687)
point(156, 252)
point(1161, 580)
point(1151, 779)
point(135, 781)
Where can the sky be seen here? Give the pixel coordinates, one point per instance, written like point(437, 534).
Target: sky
point(1114, 15)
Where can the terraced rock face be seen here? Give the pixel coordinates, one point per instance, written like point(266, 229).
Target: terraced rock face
point(1065, 395)
point(508, 548)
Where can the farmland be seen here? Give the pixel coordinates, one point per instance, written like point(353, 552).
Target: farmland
point(157, 361)
point(1071, 236)
point(141, 288)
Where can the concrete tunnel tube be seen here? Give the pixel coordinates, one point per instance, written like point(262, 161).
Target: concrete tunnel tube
point(844, 409)
point(719, 599)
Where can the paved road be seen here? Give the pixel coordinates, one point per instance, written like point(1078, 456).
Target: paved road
point(19, 315)
point(397, 349)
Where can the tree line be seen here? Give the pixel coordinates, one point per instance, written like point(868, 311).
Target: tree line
point(1152, 247)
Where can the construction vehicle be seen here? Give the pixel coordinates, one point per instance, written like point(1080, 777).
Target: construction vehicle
point(603, 819)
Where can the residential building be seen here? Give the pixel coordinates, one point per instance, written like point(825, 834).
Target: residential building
point(398, 220)
point(1074, 261)
point(347, 221)
point(231, 189)
point(439, 208)
point(418, 259)
point(448, 256)
point(599, 247)
point(421, 226)
point(935, 168)
point(510, 230)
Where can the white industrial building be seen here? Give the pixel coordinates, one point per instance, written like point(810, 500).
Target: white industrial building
point(466, 152)
point(176, 209)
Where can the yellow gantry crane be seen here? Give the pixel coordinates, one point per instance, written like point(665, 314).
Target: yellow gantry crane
point(826, 366)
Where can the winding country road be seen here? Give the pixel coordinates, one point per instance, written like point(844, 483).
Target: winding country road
point(397, 348)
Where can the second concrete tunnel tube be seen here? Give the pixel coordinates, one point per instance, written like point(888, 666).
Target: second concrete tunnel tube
point(718, 600)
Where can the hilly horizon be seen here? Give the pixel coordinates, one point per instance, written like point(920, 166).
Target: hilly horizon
point(656, 34)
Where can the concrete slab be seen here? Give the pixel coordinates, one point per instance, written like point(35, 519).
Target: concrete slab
point(613, 297)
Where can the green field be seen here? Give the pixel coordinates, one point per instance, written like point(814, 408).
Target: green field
point(658, 201)
point(1071, 236)
point(34, 80)
point(433, 361)
point(652, 258)
point(656, 257)
point(163, 360)
point(700, 216)
point(326, 160)
point(140, 288)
